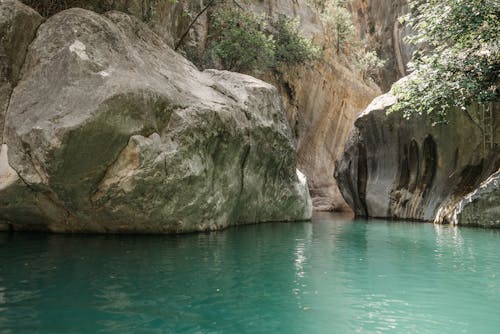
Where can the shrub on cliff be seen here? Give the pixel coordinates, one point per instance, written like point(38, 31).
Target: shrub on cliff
point(337, 21)
point(368, 63)
point(242, 41)
point(291, 47)
point(460, 63)
point(239, 41)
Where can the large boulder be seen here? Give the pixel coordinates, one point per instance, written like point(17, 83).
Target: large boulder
point(409, 169)
point(109, 130)
point(18, 25)
point(482, 206)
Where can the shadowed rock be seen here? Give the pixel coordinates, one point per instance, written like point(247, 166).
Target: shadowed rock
point(482, 206)
point(408, 169)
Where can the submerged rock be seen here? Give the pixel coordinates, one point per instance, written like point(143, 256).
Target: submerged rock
point(409, 169)
point(109, 130)
point(482, 206)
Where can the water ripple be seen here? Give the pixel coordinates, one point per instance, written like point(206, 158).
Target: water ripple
point(329, 276)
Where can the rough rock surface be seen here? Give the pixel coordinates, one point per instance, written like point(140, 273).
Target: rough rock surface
point(109, 130)
point(18, 24)
point(482, 206)
point(407, 169)
point(327, 100)
point(377, 22)
point(166, 18)
point(321, 101)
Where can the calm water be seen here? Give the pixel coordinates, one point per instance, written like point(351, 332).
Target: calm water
point(329, 276)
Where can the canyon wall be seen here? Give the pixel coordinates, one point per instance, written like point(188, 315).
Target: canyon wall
point(409, 169)
point(321, 100)
point(379, 27)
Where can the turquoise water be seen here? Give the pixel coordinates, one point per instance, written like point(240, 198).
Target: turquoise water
point(328, 276)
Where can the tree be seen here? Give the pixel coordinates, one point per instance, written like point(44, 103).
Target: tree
point(369, 64)
point(337, 20)
point(239, 41)
point(291, 47)
point(244, 42)
point(459, 60)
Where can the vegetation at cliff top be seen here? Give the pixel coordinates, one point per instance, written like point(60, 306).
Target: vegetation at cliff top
point(245, 42)
point(341, 34)
point(337, 21)
point(239, 43)
point(459, 59)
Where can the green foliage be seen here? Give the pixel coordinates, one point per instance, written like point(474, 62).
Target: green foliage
point(291, 47)
point(242, 41)
point(369, 64)
point(338, 22)
point(460, 64)
point(239, 41)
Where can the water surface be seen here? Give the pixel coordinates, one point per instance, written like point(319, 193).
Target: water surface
point(329, 276)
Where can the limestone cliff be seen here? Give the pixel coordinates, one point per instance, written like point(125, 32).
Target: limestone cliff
point(409, 169)
point(322, 101)
point(110, 130)
point(378, 26)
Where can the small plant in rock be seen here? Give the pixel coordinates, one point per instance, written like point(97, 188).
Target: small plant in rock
point(369, 64)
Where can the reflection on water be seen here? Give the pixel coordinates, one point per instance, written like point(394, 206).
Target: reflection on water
point(332, 275)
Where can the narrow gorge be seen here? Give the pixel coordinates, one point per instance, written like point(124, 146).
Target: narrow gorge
point(249, 166)
point(106, 129)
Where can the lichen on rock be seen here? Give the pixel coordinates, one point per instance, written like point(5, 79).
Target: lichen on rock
point(110, 130)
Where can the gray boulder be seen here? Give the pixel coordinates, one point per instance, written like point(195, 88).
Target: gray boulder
point(482, 206)
point(18, 24)
point(109, 130)
point(409, 169)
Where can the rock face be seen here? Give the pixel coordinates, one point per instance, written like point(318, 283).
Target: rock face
point(482, 206)
point(407, 169)
point(321, 101)
point(327, 100)
point(377, 22)
point(109, 130)
point(18, 24)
